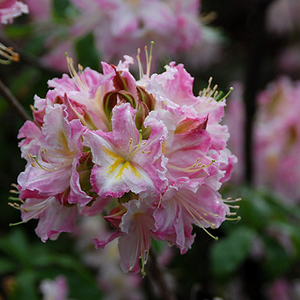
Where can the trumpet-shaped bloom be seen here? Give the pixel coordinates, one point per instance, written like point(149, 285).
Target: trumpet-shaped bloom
point(53, 156)
point(186, 203)
point(138, 226)
point(123, 161)
point(136, 229)
point(53, 216)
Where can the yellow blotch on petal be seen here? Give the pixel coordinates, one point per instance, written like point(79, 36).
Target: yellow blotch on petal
point(119, 165)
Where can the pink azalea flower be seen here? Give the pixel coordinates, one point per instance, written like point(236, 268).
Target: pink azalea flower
point(123, 161)
point(83, 92)
point(53, 158)
point(174, 88)
point(186, 145)
point(53, 216)
point(138, 226)
point(186, 203)
point(10, 9)
point(55, 289)
point(50, 183)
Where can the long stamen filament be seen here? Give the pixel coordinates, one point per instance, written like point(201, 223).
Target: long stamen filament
point(135, 149)
point(195, 213)
point(197, 166)
point(14, 192)
point(230, 200)
point(79, 80)
point(141, 71)
point(13, 199)
point(35, 163)
point(238, 218)
point(149, 58)
point(200, 225)
point(27, 210)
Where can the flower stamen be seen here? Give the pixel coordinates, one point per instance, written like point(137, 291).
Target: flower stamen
point(40, 207)
point(8, 54)
point(36, 164)
point(148, 61)
point(79, 79)
point(198, 214)
point(197, 166)
point(134, 149)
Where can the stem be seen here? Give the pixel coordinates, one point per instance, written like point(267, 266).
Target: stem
point(257, 49)
point(158, 277)
point(13, 101)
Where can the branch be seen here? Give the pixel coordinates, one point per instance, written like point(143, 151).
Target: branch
point(13, 101)
point(158, 277)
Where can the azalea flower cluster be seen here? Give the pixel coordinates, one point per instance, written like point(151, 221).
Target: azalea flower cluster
point(10, 9)
point(127, 25)
point(276, 139)
point(147, 155)
point(122, 26)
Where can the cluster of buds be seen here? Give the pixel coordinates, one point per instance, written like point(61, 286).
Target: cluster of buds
point(147, 155)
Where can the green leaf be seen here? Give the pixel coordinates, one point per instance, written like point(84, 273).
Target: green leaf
point(228, 253)
point(60, 8)
point(26, 286)
point(16, 246)
point(257, 209)
point(87, 55)
point(276, 261)
point(18, 31)
point(6, 266)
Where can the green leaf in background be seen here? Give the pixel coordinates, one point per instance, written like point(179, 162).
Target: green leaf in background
point(228, 253)
point(60, 8)
point(254, 209)
point(86, 52)
point(24, 264)
point(276, 259)
point(25, 286)
point(18, 31)
point(6, 266)
point(16, 246)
